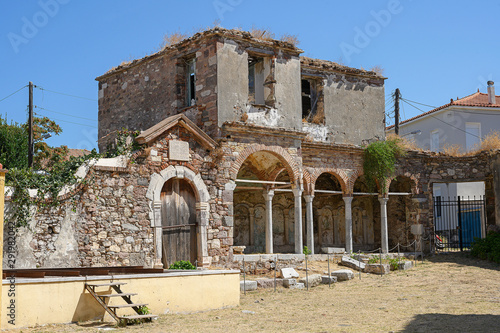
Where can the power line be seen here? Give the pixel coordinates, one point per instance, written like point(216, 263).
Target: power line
point(15, 92)
point(65, 114)
point(60, 93)
point(458, 128)
point(434, 107)
point(66, 121)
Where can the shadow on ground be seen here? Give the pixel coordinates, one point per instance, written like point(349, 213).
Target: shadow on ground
point(438, 322)
point(463, 259)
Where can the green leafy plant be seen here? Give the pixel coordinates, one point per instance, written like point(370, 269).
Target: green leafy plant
point(124, 144)
point(487, 248)
point(306, 251)
point(182, 264)
point(48, 185)
point(143, 310)
point(394, 263)
point(374, 260)
point(379, 162)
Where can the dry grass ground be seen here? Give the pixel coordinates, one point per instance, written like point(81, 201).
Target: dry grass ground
point(447, 293)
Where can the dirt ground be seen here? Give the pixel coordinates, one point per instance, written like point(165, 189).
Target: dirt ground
point(447, 293)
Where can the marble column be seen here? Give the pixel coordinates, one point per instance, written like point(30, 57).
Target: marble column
point(309, 221)
point(251, 227)
point(268, 196)
point(383, 224)
point(297, 192)
point(348, 224)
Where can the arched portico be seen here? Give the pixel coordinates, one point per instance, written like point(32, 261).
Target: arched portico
point(154, 195)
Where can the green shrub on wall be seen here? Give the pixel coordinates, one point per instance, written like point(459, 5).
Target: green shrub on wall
point(379, 161)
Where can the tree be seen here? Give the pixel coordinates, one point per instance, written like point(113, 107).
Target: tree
point(14, 144)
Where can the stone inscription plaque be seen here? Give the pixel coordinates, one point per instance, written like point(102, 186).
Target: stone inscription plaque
point(178, 150)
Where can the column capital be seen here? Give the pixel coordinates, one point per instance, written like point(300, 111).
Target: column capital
point(297, 191)
point(308, 197)
point(268, 195)
point(383, 200)
point(347, 199)
point(202, 206)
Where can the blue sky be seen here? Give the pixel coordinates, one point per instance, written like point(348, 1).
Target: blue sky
point(431, 50)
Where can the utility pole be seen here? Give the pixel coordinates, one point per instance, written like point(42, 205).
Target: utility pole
point(396, 111)
point(30, 126)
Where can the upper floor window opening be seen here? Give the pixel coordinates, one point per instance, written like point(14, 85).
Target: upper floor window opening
point(190, 82)
point(256, 80)
point(312, 111)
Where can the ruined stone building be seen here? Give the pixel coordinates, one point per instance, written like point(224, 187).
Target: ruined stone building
point(245, 146)
point(273, 137)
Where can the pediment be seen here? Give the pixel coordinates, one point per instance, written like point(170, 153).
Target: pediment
point(152, 133)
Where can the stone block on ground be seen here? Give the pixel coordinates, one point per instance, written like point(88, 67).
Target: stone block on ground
point(404, 265)
point(378, 268)
point(297, 286)
point(269, 283)
point(325, 279)
point(313, 279)
point(332, 250)
point(288, 273)
point(343, 274)
point(248, 285)
point(287, 283)
point(352, 263)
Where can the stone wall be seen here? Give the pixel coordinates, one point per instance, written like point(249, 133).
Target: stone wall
point(147, 91)
point(426, 168)
point(110, 220)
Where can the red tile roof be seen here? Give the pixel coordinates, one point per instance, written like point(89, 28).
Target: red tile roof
point(477, 99)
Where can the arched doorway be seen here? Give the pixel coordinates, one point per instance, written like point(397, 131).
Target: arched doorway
point(178, 220)
point(328, 212)
point(401, 211)
point(365, 216)
point(179, 184)
point(264, 191)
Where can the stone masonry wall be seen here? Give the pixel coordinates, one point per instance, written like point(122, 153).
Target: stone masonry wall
point(140, 96)
point(427, 168)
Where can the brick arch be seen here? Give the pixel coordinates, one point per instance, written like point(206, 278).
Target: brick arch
point(274, 175)
point(341, 175)
point(284, 156)
point(306, 180)
point(357, 174)
point(414, 183)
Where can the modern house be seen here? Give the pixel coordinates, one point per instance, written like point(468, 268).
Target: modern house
point(461, 122)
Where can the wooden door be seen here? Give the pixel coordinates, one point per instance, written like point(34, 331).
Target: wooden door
point(178, 208)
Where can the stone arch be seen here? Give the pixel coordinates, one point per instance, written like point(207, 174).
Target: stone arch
point(340, 174)
point(202, 207)
point(414, 183)
point(279, 152)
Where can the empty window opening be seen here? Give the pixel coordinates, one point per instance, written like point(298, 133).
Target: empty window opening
point(256, 80)
point(191, 82)
point(310, 97)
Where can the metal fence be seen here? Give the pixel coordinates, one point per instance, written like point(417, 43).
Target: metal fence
point(457, 221)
